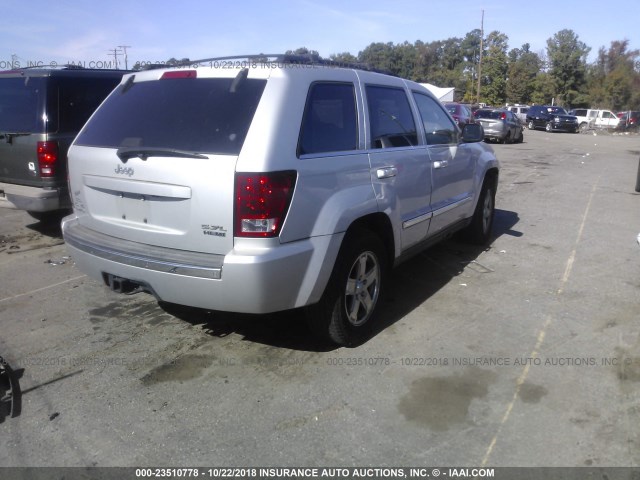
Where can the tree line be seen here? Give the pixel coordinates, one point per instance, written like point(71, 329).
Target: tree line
point(560, 74)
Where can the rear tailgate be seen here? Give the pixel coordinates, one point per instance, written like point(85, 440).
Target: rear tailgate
point(156, 162)
point(180, 203)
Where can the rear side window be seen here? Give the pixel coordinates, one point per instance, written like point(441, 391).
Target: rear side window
point(205, 115)
point(22, 105)
point(329, 123)
point(391, 120)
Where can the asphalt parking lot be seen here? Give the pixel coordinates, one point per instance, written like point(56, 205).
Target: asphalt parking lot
point(526, 353)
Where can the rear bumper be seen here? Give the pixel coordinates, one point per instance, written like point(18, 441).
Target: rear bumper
point(494, 133)
point(247, 280)
point(33, 199)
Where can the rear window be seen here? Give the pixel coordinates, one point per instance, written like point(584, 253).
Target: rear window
point(491, 114)
point(22, 105)
point(203, 115)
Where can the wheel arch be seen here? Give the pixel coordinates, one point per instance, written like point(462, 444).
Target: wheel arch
point(379, 224)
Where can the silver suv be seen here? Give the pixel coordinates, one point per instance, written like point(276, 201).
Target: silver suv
point(262, 185)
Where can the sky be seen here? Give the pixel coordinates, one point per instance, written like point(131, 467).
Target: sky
point(62, 31)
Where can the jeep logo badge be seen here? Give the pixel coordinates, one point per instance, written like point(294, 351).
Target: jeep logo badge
point(120, 170)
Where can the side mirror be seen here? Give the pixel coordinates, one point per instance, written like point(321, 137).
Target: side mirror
point(472, 132)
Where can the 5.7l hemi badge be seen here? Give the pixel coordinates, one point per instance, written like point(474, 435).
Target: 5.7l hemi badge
point(215, 230)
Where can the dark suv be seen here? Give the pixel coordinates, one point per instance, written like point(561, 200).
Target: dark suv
point(41, 111)
point(552, 119)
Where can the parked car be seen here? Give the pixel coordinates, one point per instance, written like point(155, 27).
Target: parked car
point(461, 113)
point(41, 111)
point(551, 119)
point(582, 115)
point(589, 118)
point(500, 125)
point(519, 111)
point(629, 121)
point(257, 190)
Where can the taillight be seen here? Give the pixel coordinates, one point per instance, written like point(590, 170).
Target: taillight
point(261, 203)
point(180, 74)
point(503, 116)
point(47, 158)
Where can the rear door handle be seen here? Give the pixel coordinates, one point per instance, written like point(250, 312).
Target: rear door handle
point(386, 172)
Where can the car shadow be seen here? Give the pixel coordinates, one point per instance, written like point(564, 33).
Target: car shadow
point(408, 286)
point(47, 228)
point(48, 224)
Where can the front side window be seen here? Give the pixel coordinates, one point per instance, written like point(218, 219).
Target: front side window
point(438, 127)
point(330, 122)
point(391, 120)
point(204, 115)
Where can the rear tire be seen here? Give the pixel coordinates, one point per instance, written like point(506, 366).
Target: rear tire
point(520, 138)
point(531, 125)
point(346, 312)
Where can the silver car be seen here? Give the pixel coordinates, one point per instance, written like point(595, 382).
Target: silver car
point(500, 125)
point(258, 186)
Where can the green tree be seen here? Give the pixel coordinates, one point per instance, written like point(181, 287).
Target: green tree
point(380, 56)
point(524, 66)
point(344, 57)
point(544, 89)
point(613, 79)
point(493, 88)
point(568, 64)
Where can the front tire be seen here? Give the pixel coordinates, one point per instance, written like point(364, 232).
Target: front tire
point(548, 127)
point(479, 230)
point(531, 125)
point(346, 312)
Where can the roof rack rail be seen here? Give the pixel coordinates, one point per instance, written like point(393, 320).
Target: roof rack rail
point(285, 58)
point(57, 66)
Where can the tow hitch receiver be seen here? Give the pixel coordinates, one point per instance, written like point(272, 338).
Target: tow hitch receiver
point(122, 285)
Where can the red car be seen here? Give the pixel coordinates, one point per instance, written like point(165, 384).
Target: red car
point(629, 121)
point(461, 113)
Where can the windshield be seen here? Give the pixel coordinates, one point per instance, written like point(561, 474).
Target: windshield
point(557, 110)
point(196, 115)
point(22, 105)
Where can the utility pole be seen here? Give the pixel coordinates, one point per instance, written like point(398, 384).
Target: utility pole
point(124, 49)
point(480, 59)
point(115, 52)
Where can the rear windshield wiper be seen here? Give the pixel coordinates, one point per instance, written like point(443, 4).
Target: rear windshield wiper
point(125, 153)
